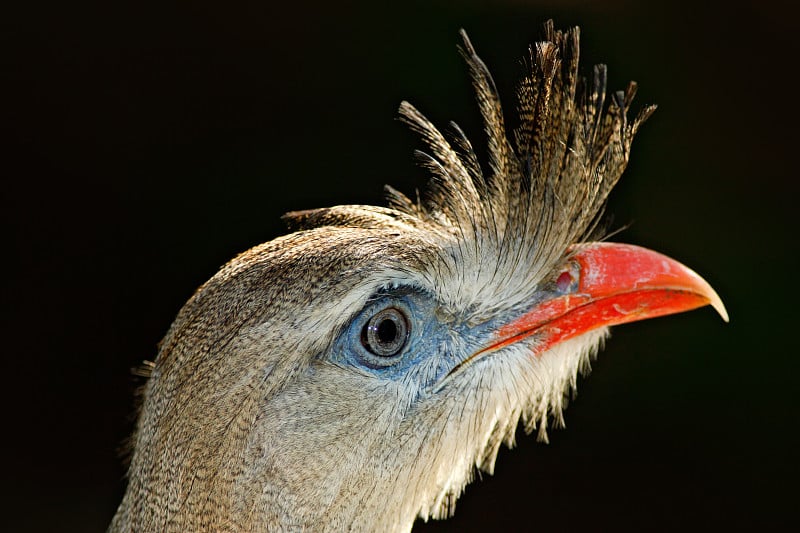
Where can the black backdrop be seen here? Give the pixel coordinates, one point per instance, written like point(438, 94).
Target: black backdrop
point(148, 143)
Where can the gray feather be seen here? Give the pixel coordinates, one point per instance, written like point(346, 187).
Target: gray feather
point(245, 425)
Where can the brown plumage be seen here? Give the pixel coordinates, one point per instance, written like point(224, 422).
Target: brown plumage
point(355, 373)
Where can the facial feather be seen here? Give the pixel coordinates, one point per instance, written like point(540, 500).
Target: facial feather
point(251, 420)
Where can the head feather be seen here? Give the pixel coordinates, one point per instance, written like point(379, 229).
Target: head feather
point(509, 226)
point(233, 367)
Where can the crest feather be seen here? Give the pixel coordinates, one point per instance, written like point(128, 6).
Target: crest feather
point(540, 194)
point(546, 191)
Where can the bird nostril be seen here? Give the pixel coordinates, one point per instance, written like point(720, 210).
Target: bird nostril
point(564, 281)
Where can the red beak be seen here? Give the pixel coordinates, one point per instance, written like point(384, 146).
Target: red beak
point(605, 284)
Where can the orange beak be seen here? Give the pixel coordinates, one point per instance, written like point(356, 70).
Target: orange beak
point(605, 284)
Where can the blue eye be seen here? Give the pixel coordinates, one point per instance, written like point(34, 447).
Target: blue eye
point(386, 333)
point(382, 336)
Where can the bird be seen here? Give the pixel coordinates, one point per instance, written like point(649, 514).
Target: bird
point(358, 372)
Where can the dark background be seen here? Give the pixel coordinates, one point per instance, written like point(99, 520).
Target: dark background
point(148, 143)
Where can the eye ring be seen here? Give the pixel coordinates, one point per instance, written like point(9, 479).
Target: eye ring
point(386, 333)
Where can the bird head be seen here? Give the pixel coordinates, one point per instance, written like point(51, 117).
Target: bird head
point(356, 373)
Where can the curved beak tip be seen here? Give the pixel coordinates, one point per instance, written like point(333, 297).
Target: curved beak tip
point(716, 302)
point(697, 285)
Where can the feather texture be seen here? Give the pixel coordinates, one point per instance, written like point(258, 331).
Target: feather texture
point(251, 422)
point(542, 193)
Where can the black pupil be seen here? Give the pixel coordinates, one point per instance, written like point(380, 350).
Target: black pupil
point(387, 331)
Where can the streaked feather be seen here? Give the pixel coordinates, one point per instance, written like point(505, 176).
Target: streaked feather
point(543, 193)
